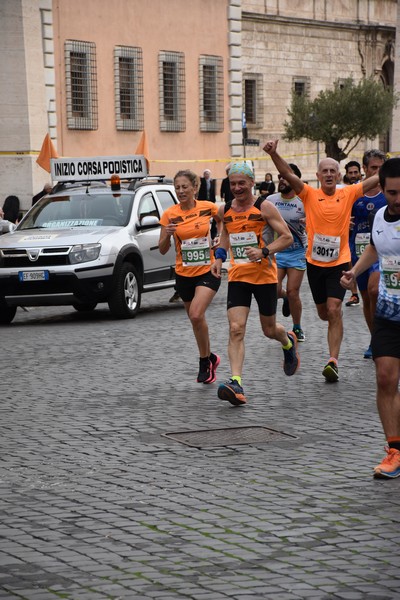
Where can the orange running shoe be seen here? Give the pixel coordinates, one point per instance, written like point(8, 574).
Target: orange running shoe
point(232, 392)
point(354, 300)
point(390, 466)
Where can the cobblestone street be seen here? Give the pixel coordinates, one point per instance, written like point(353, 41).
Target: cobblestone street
point(97, 503)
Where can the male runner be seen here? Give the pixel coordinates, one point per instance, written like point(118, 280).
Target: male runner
point(360, 233)
point(253, 273)
point(328, 211)
point(291, 261)
point(385, 246)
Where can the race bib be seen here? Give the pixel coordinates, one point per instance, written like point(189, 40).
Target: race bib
point(239, 242)
point(391, 274)
point(325, 248)
point(362, 240)
point(195, 252)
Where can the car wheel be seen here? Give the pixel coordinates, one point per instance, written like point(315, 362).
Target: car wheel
point(85, 307)
point(124, 301)
point(7, 313)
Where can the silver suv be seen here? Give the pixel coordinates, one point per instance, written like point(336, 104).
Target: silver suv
point(88, 243)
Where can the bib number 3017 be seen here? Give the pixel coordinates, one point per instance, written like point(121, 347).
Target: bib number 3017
point(325, 248)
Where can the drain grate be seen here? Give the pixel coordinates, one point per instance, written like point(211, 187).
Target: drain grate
point(232, 436)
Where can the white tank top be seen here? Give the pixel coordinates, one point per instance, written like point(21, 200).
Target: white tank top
point(386, 238)
point(291, 210)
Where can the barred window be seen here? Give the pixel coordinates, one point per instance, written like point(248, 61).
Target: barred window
point(81, 85)
point(171, 69)
point(128, 77)
point(211, 93)
point(301, 86)
point(253, 98)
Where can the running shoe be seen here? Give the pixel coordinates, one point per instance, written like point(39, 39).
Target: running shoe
point(368, 352)
point(205, 371)
point(232, 392)
point(299, 333)
point(215, 360)
point(331, 372)
point(291, 360)
point(285, 307)
point(390, 466)
point(354, 300)
point(175, 297)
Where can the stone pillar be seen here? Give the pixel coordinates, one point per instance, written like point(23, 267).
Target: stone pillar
point(235, 77)
point(25, 101)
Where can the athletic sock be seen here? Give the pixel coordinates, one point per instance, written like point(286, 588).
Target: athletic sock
point(334, 360)
point(237, 378)
point(394, 442)
point(288, 346)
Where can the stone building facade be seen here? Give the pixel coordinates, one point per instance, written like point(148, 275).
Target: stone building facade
point(254, 53)
point(95, 75)
point(304, 45)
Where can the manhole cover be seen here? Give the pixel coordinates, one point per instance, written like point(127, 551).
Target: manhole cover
point(233, 436)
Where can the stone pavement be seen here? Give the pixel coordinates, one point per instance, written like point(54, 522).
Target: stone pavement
point(96, 503)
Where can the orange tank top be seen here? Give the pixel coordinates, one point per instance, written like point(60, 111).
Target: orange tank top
point(192, 237)
point(245, 229)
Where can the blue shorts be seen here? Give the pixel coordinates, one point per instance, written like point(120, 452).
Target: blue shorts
point(294, 259)
point(362, 280)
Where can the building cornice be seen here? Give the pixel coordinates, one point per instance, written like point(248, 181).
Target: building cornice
point(316, 24)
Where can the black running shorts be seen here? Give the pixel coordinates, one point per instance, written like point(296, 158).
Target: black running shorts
point(385, 340)
point(186, 286)
point(325, 282)
point(266, 295)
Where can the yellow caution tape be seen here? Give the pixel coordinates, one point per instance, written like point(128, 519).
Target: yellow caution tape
point(203, 160)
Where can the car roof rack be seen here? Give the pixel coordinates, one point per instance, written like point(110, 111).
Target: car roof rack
point(149, 180)
point(68, 185)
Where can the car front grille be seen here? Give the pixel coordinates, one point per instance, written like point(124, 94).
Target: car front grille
point(34, 257)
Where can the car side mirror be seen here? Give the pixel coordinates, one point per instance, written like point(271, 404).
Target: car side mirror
point(148, 222)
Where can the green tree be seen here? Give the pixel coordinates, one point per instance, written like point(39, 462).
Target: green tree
point(346, 114)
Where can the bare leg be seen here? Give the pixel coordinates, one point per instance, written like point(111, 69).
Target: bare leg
point(273, 330)
point(331, 311)
point(281, 277)
point(196, 310)
point(388, 397)
point(373, 286)
point(295, 277)
point(367, 309)
point(237, 317)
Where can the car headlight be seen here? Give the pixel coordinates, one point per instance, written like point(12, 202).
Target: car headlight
point(84, 253)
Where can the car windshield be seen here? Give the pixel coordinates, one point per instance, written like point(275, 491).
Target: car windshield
point(79, 210)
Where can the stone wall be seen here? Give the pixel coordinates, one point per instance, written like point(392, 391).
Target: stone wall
point(315, 42)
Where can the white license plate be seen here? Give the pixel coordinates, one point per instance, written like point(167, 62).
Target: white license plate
point(33, 275)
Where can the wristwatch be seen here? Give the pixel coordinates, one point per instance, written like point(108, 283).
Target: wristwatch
point(265, 252)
